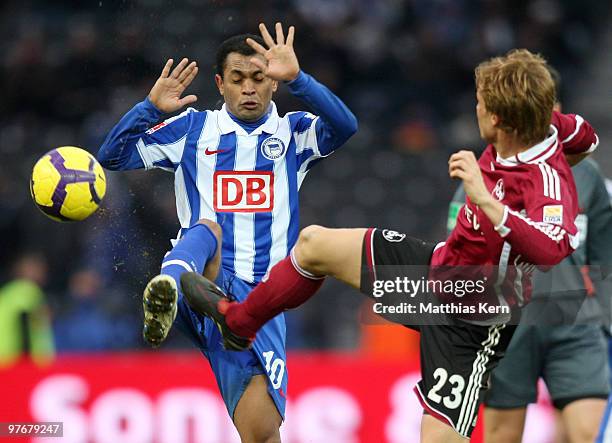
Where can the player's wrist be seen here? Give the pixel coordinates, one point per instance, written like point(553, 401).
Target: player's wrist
point(294, 75)
point(494, 210)
point(482, 198)
point(485, 201)
point(152, 106)
point(297, 78)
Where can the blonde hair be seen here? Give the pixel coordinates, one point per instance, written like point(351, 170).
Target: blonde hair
point(520, 90)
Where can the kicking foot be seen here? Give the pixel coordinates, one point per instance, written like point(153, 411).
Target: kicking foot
point(206, 298)
point(159, 305)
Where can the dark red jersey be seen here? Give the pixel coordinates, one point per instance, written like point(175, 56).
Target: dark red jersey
point(540, 202)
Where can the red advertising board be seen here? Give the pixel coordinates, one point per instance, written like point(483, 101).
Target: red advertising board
point(162, 397)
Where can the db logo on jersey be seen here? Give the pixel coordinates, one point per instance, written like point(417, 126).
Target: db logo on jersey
point(243, 191)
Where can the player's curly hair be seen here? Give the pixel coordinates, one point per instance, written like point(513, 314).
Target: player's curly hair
point(520, 90)
point(238, 44)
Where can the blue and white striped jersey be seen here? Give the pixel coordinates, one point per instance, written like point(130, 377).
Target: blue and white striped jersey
point(246, 182)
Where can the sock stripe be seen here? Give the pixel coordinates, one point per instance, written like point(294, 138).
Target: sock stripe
point(179, 263)
point(301, 271)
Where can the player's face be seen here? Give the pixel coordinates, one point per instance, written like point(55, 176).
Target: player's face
point(485, 120)
point(245, 88)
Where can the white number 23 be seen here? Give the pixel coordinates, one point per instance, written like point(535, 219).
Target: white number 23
point(458, 383)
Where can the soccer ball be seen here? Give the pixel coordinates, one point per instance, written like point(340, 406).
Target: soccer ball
point(67, 184)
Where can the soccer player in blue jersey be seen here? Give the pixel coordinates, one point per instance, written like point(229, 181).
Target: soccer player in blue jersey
point(237, 175)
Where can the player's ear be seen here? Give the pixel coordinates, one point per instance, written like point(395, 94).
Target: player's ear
point(274, 85)
point(495, 120)
point(219, 82)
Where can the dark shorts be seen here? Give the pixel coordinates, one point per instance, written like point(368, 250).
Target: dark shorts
point(388, 254)
point(572, 361)
point(456, 358)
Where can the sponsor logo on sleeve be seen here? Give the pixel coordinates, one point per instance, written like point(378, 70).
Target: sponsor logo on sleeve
point(155, 128)
point(553, 214)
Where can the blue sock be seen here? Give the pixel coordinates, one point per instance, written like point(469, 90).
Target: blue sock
point(195, 248)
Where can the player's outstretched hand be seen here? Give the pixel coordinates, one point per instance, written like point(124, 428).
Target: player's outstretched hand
point(464, 166)
point(281, 62)
point(167, 91)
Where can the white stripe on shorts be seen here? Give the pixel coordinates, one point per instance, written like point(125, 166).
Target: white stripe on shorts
point(470, 399)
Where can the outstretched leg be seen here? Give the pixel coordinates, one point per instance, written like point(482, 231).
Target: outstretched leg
point(335, 252)
point(319, 252)
point(197, 251)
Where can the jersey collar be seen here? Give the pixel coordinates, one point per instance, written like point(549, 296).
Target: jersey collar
point(536, 154)
point(227, 125)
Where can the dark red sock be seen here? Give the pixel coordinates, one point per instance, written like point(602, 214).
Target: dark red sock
point(285, 288)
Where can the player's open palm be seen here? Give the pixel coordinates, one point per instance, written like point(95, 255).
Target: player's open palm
point(281, 62)
point(169, 87)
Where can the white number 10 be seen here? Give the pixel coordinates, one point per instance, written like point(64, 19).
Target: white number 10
point(275, 369)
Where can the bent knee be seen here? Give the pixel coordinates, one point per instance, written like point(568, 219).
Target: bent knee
point(268, 437)
point(214, 227)
point(309, 243)
point(261, 432)
point(311, 233)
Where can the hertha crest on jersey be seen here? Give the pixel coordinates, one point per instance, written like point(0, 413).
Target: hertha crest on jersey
point(273, 148)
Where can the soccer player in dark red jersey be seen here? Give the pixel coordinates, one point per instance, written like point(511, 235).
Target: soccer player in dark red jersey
point(519, 213)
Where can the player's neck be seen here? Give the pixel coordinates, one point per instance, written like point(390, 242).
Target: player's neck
point(508, 146)
point(250, 126)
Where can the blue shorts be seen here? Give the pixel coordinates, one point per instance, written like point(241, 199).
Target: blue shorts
point(234, 370)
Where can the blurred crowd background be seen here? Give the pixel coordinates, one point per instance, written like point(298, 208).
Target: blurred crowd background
point(69, 70)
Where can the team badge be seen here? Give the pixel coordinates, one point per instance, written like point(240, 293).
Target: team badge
point(498, 191)
point(553, 214)
point(273, 148)
point(393, 236)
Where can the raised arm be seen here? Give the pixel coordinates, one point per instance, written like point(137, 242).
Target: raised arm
point(335, 122)
point(543, 236)
point(137, 141)
point(577, 136)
